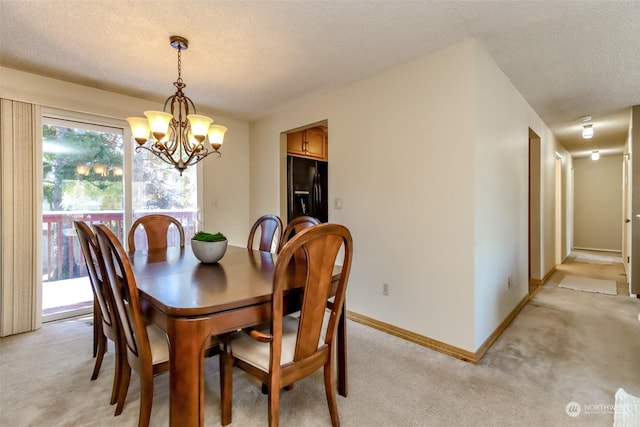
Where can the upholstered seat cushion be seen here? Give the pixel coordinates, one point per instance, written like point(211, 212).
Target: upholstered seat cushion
point(257, 353)
point(159, 344)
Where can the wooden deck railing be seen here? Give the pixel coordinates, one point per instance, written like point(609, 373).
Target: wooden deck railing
point(62, 257)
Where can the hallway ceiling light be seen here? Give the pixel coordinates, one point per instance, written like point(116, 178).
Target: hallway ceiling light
point(587, 131)
point(595, 155)
point(175, 136)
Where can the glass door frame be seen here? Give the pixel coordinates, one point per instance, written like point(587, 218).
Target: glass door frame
point(56, 116)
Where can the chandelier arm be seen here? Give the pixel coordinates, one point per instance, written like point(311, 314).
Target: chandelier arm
point(158, 153)
point(192, 160)
point(172, 143)
point(181, 139)
point(197, 157)
point(198, 154)
point(177, 98)
point(188, 102)
point(166, 102)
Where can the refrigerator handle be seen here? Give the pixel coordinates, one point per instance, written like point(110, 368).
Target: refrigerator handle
point(290, 189)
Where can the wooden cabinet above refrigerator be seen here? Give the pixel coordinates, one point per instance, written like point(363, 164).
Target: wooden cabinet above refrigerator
point(311, 143)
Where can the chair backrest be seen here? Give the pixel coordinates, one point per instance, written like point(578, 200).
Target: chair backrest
point(156, 227)
point(270, 233)
point(127, 302)
point(321, 245)
point(295, 226)
point(97, 273)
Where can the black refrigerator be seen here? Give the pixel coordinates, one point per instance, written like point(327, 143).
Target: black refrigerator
point(307, 188)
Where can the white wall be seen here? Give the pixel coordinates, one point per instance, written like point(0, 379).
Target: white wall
point(431, 167)
point(226, 180)
point(226, 185)
point(501, 197)
point(597, 203)
point(501, 200)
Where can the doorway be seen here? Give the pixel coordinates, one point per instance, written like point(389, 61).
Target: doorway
point(559, 253)
point(536, 278)
point(307, 154)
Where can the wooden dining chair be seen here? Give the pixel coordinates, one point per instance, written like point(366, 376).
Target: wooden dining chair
point(296, 225)
point(156, 227)
point(105, 317)
point(147, 348)
point(270, 227)
point(293, 348)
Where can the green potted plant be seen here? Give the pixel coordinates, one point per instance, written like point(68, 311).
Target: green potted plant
point(207, 247)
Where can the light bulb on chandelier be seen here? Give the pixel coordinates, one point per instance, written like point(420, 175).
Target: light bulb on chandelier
point(177, 138)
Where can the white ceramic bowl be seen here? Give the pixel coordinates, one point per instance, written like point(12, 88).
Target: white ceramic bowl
point(208, 252)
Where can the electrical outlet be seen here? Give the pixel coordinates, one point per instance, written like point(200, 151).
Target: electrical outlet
point(509, 282)
point(385, 289)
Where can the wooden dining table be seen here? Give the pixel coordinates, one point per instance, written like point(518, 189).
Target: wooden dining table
point(192, 301)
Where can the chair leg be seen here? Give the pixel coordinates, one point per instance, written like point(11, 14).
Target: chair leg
point(146, 401)
point(274, 403)
point(124, 387)
point(96, 338)
point(117, 374)
point(330, 391)
point(102, 349)
point(97, 325)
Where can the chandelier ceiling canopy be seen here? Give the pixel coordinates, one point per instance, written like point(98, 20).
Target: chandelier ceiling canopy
point(177, 135)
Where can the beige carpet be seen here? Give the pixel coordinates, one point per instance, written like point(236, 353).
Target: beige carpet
point(587, 284)
point(563, 347)
point(597, 258)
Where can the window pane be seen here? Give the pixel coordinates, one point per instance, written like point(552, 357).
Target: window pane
point(159, 188)
point(82, 180)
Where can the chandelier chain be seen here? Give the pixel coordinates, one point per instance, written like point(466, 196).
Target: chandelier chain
point(179, 64)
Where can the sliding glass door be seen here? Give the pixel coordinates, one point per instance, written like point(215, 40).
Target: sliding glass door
point(91, 173)
point(82, 180)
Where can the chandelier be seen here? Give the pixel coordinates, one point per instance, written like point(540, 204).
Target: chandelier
point(174, 135)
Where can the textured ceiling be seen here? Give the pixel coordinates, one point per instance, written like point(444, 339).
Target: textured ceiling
point(247, 59)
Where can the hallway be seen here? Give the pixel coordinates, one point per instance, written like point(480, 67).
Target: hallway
point(579, 347)
point(596, 265)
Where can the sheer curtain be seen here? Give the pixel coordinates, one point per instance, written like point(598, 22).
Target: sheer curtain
point(20, 217)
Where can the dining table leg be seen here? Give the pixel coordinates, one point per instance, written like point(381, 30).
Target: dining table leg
point(187, 342)
point(343, 388)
